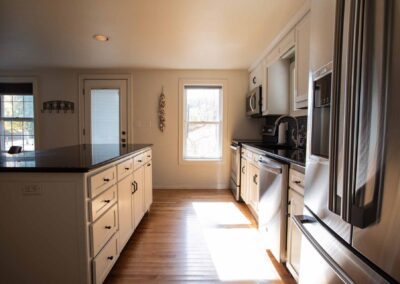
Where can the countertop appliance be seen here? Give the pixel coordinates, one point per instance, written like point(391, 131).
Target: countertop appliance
point(234, 185)
point(254, 102)
point(351, 221)
point(272, 207)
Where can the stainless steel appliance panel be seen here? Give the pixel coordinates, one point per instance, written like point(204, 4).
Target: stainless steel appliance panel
point(377, 184)
point(325, 259)
point(235, 170)
point(254, 102)
point(272, 206)
point(316, 192)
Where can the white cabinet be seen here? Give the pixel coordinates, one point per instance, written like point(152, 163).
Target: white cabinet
point(254, 188)
point(322, 31)
point(148, 185)
point(295, 207)
point(302, 63)
point(256, 77)
point(275, 99)
point(138, 195)
point(244, 189)
point(287, 43)
point(125, 212)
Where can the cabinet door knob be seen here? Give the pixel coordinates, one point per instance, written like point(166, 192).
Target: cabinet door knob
point(108, 227)
point(106, 179)
point(107, 201)
point(110, 257)
point(139, 161)
point(148, 165)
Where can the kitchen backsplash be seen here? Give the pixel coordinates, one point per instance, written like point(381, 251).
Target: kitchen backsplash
point(302, 121)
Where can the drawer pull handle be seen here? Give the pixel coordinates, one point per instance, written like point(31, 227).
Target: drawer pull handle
point(107, 201)
point(139, 161)
point(148, 165)
point(297, 182)
point(108, 227)
point(110, 257)
point(106, 179)
point(148, 156)
point(127, 169)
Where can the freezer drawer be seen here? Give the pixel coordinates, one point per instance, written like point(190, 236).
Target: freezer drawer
point(325, 259)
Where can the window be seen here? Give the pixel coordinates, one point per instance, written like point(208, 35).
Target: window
point(202, 122)
point(17, 116)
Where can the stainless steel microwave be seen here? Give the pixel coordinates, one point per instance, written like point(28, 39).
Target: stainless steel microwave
point(254, 102)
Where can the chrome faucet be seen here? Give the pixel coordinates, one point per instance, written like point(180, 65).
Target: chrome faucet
point(279, 120)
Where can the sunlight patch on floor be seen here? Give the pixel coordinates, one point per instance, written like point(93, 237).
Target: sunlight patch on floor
point(219, 213)
point(236, 252)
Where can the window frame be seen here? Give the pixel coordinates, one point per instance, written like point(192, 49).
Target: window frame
point(222, 84)
point(36, 110)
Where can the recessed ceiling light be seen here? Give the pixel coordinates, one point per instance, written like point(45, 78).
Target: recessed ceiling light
point(99, 37)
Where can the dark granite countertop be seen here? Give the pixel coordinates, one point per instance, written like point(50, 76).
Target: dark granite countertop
point(285, 154)
point(77, 158)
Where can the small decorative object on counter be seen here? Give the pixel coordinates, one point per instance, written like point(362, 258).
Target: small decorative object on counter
point(58, 106)
point(161, 110)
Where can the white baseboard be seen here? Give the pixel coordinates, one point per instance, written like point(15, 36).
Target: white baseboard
point(192, 186)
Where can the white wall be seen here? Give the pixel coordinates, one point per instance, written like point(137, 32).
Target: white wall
point(58, 130)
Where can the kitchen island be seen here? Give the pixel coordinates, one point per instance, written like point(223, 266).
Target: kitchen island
point(68, 212)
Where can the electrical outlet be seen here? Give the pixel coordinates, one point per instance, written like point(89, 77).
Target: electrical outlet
point(32, 189)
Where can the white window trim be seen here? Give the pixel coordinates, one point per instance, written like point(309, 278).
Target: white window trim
point(203, 82)
point(36, 104)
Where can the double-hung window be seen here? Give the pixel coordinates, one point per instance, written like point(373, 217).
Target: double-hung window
point(17, 116)
point(202, 123)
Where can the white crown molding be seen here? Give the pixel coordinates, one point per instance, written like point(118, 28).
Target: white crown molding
point(289, 26)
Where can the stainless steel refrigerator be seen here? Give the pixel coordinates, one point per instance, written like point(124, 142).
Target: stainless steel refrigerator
point(351, 222)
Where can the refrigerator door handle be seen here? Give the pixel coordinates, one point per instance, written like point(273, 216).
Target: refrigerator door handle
point(299, 221)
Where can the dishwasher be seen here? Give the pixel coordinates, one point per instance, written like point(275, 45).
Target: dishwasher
point(272, 207)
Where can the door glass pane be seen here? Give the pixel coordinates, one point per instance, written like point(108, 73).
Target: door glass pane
point(105, 116)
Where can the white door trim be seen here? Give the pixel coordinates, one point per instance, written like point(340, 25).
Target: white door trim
point(81, 100)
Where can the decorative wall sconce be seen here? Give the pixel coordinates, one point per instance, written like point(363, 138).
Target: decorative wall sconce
point(58, 106)
point(161, 110)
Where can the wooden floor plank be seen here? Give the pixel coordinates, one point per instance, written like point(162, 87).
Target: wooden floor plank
point(196, 236)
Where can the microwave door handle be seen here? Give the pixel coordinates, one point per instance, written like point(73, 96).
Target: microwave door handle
point(252, 99)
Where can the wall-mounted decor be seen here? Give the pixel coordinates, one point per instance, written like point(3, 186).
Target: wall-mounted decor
point(58, 106)
point(161, 110)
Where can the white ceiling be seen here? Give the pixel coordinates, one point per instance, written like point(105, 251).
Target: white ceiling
point(178, 34)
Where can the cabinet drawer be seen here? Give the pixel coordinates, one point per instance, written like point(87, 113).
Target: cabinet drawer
point(102, 230)
point(296, 181)
point(103, 263)
point(124, 169)
point(138, 161)
point(101, 203)
point(101, 181)
point(147, 156)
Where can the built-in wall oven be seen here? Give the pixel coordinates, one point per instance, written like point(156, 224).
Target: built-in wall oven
point(254, 102)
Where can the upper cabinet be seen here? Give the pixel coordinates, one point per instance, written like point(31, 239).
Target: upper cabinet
point(284, 72)
point(302, 58)
point(322, 30)
point(256, 77)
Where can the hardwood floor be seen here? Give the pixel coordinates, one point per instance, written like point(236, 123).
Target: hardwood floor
point(196, 236)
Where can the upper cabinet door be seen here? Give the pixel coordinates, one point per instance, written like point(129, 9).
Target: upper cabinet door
point(302, 62)
point(255, 77)
point(322, 32)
